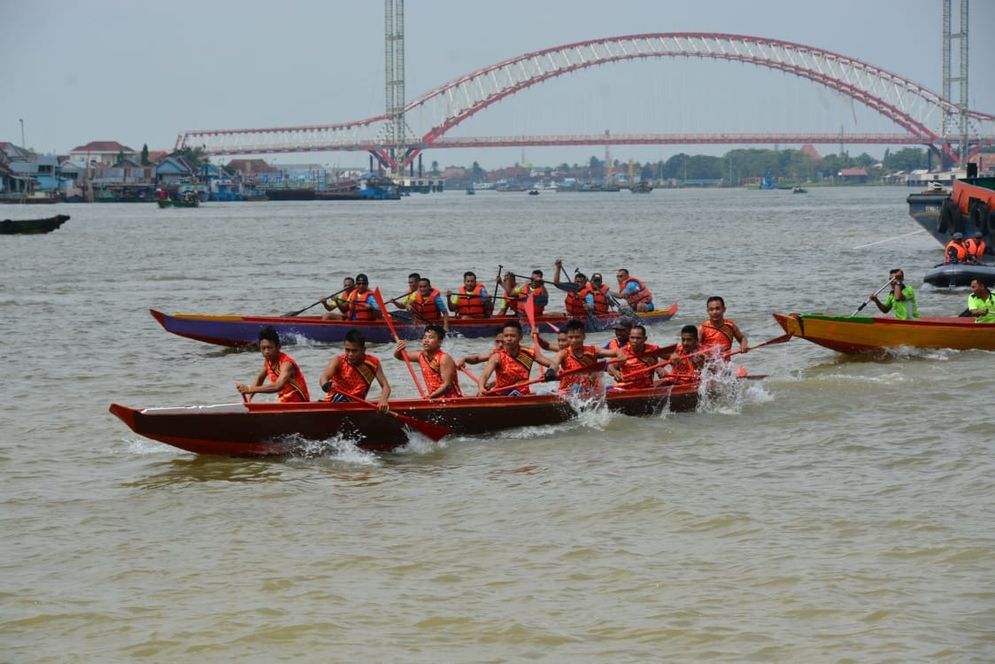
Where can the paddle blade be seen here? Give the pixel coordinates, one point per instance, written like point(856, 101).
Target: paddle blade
point(530, 312)
point(567, 286)
point(436, 432)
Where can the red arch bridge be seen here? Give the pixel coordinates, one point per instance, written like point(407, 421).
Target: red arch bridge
point(921, 116)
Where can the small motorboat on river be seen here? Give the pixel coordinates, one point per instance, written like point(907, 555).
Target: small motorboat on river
point(240, 331)
point(960, 274)
point(863, 334)
point(32, 226)
point(280, 429)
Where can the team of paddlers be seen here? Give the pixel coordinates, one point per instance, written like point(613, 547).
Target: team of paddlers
point(628, 357)
point(427, 304)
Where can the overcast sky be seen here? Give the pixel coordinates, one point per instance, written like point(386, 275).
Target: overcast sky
point(141, 72)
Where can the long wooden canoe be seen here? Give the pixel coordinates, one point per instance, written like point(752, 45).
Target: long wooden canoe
point(266, 429)
point(240, 331)
point(32, 226)
point(862, 334)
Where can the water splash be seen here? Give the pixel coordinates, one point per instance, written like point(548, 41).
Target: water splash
point(337, 448)
point(722, 390)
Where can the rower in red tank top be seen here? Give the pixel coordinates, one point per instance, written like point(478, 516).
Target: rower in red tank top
point(511, 364)
point(438, 368)
point(577, 356)
point(688, 358)
point(636, 360)
point(282, 371)
point(351, 373)
point(718, 331)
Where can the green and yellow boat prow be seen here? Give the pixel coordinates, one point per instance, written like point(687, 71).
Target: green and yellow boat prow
point(863, 334)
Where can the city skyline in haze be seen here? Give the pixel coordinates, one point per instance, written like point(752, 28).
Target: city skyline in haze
point(141, 73)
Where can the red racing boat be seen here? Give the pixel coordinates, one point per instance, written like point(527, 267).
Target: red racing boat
point(277, 429)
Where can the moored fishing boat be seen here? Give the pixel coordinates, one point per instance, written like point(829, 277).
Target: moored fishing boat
point(863, 334)
point(240, 331)
point(32, 226)
point(268, 429)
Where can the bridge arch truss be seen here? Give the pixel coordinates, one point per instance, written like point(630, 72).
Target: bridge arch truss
point(918, 110)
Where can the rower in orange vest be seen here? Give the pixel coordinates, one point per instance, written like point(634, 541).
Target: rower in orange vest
point(537, 288)
point(634, 371)
point(576, 356)
point(361, 305)
point(428, 305)
point(352, 373)
point(633, 291)
point(283, 372)
point(976, 247)
point(512, 363)
point(336, 307)
point(955, 251)
point(471, 300)
point(438, 369)
point(719, 331)
point(687, 360)
point(574, 303)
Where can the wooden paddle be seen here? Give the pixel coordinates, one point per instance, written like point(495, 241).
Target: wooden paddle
point(434, 431)
point(300, 311)
point(390, 325)
point(868, 300)
point(570, 287)
point(530, 313)
point(729, 353)
point(597, 366)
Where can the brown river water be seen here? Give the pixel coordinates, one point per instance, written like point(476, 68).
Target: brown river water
point(840, 511)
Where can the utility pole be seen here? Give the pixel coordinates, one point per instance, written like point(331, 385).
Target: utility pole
point(21, 120)
point(950, 124)
point(394, 75)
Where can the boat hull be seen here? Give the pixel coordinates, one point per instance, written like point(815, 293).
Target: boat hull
point(275, 429)
point(968, 209)
point(855, 334)
point(960, 274)
point(32, 226)
point(241, 331)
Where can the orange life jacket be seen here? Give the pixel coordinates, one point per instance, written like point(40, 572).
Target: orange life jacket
point(975, 248)
point(633, 369)
point(425, 308)
point(295, 389)
point(539, 298)
point(954, 252)
point(575, 303)
point(686, 369)
point(514, 301)
point(640, 296)
point(600, 299)
point(721, 335)
point(360, 307)
point(432, 372)
point(615, 344)
point(354, 381)
point(586, 381)
point(512, 370)
point(470, 304)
